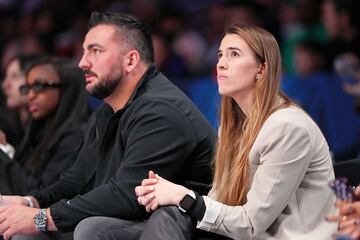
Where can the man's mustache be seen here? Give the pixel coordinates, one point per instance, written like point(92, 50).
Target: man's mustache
point(88, 72)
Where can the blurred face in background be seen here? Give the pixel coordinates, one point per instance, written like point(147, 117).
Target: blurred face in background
point(14, 78)
point(44, 102)
point(306, 61)
point(331, 19)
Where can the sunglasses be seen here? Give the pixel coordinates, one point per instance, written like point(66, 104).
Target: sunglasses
point(37, 87)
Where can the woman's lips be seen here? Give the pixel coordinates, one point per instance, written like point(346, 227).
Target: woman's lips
point(33, 108)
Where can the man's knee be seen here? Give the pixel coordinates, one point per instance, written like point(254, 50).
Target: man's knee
point(87, 228)
point(108, 228)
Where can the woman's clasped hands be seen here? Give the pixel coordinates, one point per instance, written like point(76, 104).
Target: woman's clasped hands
point(156, 191)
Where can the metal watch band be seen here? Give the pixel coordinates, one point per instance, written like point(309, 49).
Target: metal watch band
point(40, 220)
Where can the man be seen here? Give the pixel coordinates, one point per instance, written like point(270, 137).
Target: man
point(146, 124)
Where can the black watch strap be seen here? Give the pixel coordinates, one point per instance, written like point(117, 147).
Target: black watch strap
point(199, 208)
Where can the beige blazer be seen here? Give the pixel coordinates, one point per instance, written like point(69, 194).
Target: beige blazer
point(289, 196)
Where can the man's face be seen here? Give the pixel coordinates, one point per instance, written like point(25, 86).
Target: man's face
point(102, 61)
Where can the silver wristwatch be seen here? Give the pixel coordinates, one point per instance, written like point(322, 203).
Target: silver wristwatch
point(40, 220)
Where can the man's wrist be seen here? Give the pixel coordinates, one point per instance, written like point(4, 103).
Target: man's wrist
point(51, 225)
point(30, 202)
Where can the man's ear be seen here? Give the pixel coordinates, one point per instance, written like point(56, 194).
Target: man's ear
point(132, 60)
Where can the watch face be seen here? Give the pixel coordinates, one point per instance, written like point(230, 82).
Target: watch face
point(40, 220)
point(187, 202)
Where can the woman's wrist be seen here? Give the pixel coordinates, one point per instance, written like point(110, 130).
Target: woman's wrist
point(182, 191)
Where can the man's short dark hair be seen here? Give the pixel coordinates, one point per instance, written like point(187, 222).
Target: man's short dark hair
point(132, 31)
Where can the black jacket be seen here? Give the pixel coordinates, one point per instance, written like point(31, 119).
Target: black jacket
point(159, 129)
point(16, 180)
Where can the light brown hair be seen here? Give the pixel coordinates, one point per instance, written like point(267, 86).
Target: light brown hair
point(238, 131)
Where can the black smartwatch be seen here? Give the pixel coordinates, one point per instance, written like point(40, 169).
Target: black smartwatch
point(187, 202)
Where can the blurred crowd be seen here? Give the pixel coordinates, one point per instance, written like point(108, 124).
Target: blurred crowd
point(318, 38)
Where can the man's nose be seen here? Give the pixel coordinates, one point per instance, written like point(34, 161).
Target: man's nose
point(84, 62)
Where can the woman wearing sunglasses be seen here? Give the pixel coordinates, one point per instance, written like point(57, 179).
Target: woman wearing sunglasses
point(58, 107)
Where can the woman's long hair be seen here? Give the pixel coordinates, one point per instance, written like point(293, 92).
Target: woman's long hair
point(238, 131)
point(72, 111)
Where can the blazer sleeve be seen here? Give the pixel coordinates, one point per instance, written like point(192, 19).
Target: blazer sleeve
point(285, 153)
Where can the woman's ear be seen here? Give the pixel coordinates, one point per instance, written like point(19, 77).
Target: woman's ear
point(132, 60)
point(260, 71)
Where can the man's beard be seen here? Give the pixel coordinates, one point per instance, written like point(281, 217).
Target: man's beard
point(107, 85)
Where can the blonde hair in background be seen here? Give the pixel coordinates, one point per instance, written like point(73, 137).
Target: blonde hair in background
point(238, 132)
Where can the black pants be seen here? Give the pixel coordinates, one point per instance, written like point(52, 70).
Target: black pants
point(45, 236)
point(169, 223)
point(166, 223)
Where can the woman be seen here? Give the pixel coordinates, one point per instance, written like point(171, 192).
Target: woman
point(272, 165)
point(57, 102)
point(15, 116)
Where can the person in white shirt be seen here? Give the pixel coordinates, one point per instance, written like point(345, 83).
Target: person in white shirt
point(272, 165)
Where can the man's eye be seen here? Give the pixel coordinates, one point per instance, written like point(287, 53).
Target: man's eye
point(219, 55)
point(95, 50)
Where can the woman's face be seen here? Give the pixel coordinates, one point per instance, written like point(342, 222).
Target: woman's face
point(44, 102)
point(14, 78)
point(237, 67)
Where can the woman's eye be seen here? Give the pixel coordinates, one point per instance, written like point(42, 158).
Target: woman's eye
point(219, 55)
point(234, 54)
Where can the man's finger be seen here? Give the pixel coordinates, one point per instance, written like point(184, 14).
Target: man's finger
point(3, 228)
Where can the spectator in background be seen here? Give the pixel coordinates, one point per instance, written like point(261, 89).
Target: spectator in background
point(168, 62)
point(341, 21)
point(321, 94)
point(299, 22)
point(347, 66)
point(58, 107)
point(28, 44)
point(5, 123)
point(308, 77)
point(18, 115)
point(348, 218)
